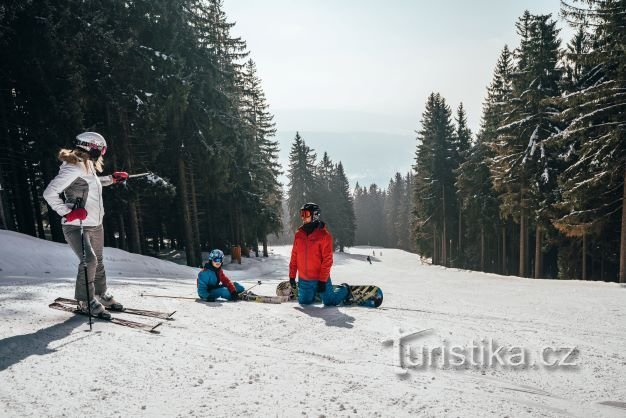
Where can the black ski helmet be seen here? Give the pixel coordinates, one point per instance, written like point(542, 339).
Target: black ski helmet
point(313, 209)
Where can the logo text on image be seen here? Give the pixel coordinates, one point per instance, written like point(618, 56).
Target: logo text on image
point(479, 353)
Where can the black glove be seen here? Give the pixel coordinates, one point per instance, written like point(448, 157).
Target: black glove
point(234, 296)
point(292, 282)
point(321, 286)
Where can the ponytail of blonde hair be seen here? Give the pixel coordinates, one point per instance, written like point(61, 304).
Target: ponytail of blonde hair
point(77, 156)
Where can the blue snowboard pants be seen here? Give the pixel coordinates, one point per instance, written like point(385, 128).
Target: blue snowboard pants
point(223, 292)
point(331, 297)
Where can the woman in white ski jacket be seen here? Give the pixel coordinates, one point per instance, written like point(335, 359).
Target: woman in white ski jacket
point(82, 204)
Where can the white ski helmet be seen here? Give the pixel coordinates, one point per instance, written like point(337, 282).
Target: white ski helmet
point(92, 142)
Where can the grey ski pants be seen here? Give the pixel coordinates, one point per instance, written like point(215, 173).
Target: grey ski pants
point(94, 244)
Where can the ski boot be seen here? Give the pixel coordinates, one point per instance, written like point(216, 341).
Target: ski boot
point(97, 309)
point(349, 300)
point(109, 302)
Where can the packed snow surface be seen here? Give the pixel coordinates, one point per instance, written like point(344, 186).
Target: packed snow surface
point(252, 359)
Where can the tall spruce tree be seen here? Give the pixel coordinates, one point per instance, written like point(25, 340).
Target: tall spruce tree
point(594, 183)
point(435, 192)
point(393, 207)
point(523, 169)
point(461, 143)
point(344, 227)
point(324, 193)
point(265, 190)
point(302, 180)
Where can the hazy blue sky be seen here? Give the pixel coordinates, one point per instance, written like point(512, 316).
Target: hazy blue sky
point(354, 66)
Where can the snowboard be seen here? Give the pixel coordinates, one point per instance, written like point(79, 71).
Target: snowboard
point(362, 295)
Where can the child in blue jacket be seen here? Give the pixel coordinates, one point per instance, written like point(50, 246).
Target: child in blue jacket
point(212, 283)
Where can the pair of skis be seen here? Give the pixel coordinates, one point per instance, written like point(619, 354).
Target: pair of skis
point(71, 305)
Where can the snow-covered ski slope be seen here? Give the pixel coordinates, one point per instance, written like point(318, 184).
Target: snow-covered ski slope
point(250, 359)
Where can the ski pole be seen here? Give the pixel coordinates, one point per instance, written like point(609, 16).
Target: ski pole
point(166, 296)
point(84, 260)
point(252, 287)
point(132, 176)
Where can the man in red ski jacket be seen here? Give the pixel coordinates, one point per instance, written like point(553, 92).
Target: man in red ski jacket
point(312, 259)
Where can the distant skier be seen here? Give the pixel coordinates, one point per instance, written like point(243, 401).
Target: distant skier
point(312, 259)
point(212, 283)
point(369, 260)
point(81, 186)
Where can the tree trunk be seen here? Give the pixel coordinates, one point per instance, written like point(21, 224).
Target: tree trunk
point(622, 247)
point(242, 228)
point(37, 208)
point(482, 247)
point(265, 253)
point(210, 225)
point(522, 240)
point(4, 137)
point(459, 249)
point(159, 229)
point(21, 199)
point(194, 213)
point(584, 256)
point(435, 258)
point(3, 219)
point(142, 241)
point(538, 253)
point(443, 248)
point(601, 263)
point(444, 244)
point(124, 147)
point(504, 266)
point(134, 244)
point(184, 199)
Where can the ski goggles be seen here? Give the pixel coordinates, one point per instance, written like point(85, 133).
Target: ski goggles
point(305, 213)
point(217, 259)
point(101, 148)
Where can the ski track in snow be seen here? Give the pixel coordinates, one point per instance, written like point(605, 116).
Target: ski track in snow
point(251, 359)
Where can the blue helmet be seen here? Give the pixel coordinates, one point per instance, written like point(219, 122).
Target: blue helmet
point(216, 255)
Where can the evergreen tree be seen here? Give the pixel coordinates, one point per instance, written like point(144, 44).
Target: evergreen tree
point(594, 183)
point(461, 144)
point(325, 197)
point(344, 227)
point(360, 196)
point(476, 195)
point(523, 169)
point(405, 214)
point(393, 205)
point(302, 179)
point(435, 193)
point(266, 208)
